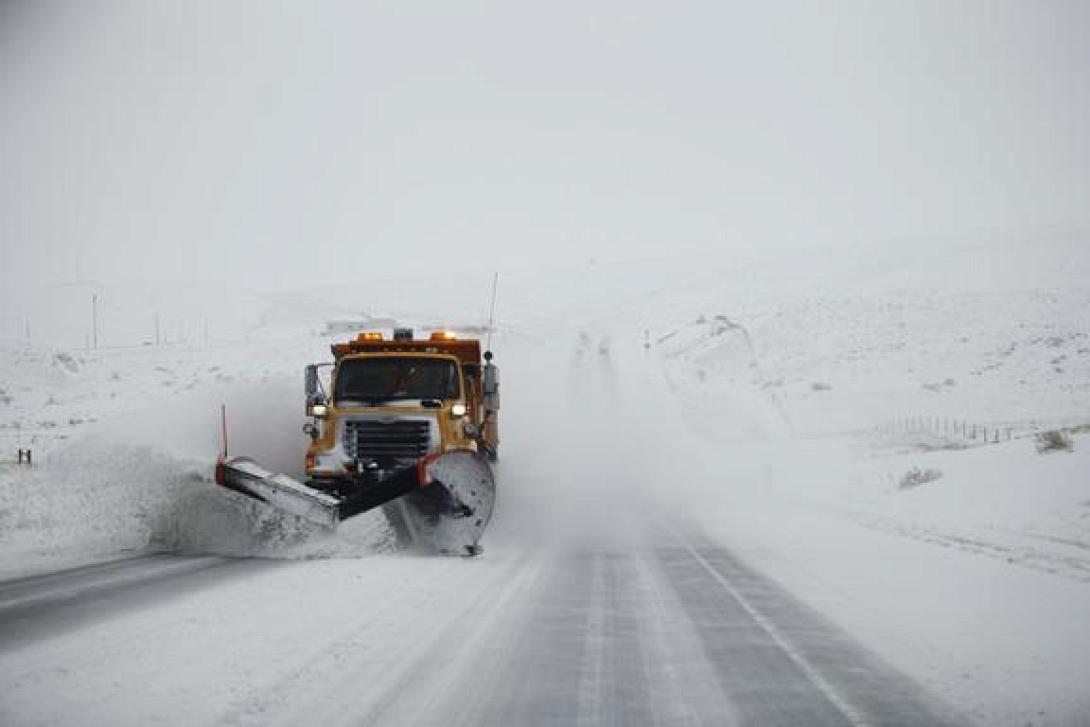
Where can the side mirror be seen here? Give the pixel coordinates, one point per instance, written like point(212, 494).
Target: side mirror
point(312, 385)
point(315, 394)
point(490, 384)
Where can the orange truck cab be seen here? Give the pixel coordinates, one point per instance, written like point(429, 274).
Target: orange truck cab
point(395, 402)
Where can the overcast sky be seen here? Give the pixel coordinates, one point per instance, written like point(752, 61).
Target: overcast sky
point(282, 143)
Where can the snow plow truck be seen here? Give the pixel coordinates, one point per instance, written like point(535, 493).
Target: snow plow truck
point(408, 425)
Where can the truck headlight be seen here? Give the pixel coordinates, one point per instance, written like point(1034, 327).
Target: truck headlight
point(458, 410)
point(317, 410)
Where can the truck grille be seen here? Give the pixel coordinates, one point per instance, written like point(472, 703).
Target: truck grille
point(371, 439)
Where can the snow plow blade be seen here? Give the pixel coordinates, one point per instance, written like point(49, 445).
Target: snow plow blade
point(279, 491)
point(449, 514)
point(445, 503)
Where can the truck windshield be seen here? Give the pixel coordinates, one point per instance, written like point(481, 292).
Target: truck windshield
point(386, 378)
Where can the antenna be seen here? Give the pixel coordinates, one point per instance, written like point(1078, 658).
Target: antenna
point(492, 310)
point(223, 427)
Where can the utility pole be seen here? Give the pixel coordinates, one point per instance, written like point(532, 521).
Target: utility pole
point(94, 320)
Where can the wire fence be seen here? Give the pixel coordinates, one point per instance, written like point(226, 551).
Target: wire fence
point(969, 431)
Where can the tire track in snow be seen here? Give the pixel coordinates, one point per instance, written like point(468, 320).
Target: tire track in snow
point(683, 682)
point(430, 691)
point(385, 661)
point(521, 666)
point(615, 688)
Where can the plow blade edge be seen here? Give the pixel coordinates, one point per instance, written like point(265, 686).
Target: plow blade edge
point(243, 475)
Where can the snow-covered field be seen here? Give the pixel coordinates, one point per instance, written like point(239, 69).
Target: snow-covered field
point(825, 422)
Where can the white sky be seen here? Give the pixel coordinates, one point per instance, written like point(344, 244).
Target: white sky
point(279, 144)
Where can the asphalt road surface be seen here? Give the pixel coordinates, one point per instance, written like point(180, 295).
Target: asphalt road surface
point(675, 633)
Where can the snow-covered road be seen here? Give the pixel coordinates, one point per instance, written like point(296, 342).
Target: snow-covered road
point(679, 632)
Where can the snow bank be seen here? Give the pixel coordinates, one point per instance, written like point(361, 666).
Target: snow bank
point(124, 442)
